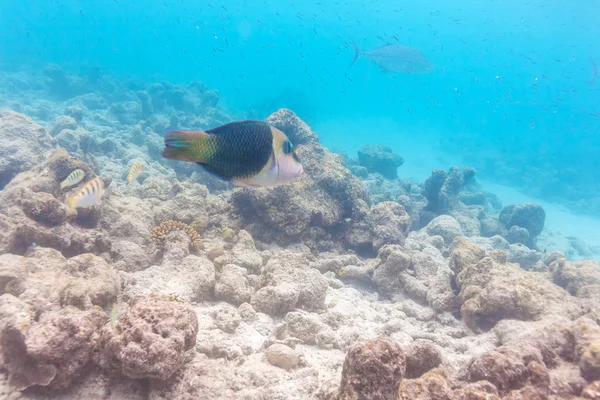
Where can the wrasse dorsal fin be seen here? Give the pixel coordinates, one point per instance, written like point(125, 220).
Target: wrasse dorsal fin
point(234, 126)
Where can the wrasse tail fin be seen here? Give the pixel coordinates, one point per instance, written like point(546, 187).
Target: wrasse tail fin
point(184, 145)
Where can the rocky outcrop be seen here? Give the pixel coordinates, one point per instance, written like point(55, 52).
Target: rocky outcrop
point(529, 217)
point(150, 339)
point(23, 144)
point(314, 208)
point(442, 191)
point(372, 370)
point(491, 289)
point(295, 129)
point(380, 159)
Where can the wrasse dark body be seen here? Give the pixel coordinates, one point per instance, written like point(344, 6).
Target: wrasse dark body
point(248, 153)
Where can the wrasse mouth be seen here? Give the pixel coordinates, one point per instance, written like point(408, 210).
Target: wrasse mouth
point(300, 169)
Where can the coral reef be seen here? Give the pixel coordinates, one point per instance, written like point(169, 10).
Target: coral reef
point(329, 287)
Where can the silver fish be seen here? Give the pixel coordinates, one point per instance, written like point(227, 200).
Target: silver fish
point(396, 58)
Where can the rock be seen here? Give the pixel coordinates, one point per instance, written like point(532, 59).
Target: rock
point(359, 171)
point(591, 391)
point(24, 144)
point(282, 356)
point(446, 227)
point(227, 318)
point(431, 386)
point(52, 351)
point(44, 208)
point(503, 371)
point(372, 370)
point(535, 365)
point(74, 112)
point(149, 340)
point(130, 256)
point(552, 256)
point(590, 361)
point(380, 159)
point(530, 216)
point(293, 269)
point(523, 255)
point(49, 280)
point(442, 190)
point(232, 285)
point(472, 199)
point(491, 289)
point(303, 326)
point(585, 331)
point(575, 276)
point(63, 122)
point(195, 275)
point(389, 224)
point(516, 234)
point(295, 129)
point(482, 390)
point(420, 358)
point(244, 254)
point(387, 275)
point(276, 300)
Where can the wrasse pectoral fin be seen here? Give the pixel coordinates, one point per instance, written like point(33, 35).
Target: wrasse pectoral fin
point(242, 184)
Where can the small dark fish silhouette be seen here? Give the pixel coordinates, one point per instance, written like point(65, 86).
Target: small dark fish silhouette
point(396, 58)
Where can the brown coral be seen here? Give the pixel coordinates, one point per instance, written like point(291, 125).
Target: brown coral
point(159, 233)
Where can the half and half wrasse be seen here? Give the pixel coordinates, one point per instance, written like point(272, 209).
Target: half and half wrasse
point(91, 193)
point(73, 179)
point(247, 153)
point(134, 171)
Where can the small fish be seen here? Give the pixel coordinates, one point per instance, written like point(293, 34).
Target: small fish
point(73, 179)
point(115, 314)
point(91, 193)
point(247, 153)
point(396, 58)
point(134, 171)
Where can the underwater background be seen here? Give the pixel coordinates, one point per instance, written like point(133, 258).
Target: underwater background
point(513, 92)
point(441, 240)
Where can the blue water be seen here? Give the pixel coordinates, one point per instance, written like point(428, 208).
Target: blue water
point(511, 93)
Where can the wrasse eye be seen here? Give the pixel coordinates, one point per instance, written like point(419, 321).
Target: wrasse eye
point(288, 147)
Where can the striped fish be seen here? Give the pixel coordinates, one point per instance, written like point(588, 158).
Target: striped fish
point(134, 171)
point(73, 179)
point(91, 193)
